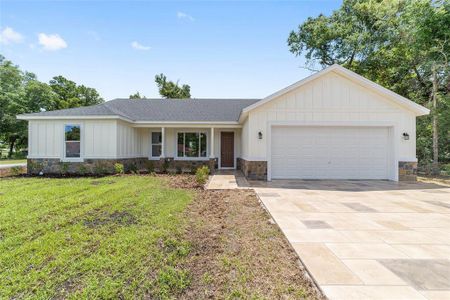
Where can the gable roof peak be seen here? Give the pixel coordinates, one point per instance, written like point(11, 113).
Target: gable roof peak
point(419, 110)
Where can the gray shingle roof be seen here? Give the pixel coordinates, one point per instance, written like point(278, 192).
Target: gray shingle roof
point(168, 110)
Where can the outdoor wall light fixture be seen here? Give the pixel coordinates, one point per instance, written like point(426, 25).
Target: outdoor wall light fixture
point(260, 135)
point(405, 136)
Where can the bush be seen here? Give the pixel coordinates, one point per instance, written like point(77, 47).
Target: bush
point(64, 168)
point(100, 168)
point(201, 175)
point(445, 169)
point(150, 166)
point(17, 170)
point(118, 168)
point(83, 170)
point(132, 168)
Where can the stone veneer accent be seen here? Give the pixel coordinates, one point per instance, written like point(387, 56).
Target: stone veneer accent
point(256, 170)
point(54, 166)
point(407, 171)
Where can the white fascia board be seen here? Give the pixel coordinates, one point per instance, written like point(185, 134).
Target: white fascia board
point(22, 117)
point(419, 110)
point(136, 123)
point(187, 124)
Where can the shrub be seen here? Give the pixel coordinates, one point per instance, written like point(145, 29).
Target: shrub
point(165, 166)
point(150, 167)
point(132, 168)
point(118, 168)
point(100, 168)
point(64, 168)
point(82, 170)
point(201, 175)
point(17, 170)
point(445, 169)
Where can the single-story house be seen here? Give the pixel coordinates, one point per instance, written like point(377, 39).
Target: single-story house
point(334, 124)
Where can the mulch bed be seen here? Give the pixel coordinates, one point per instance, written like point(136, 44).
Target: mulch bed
point(237, 252)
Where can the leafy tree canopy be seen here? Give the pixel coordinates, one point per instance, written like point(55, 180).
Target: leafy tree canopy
point(403, 45)
point(72, 95)
point(136, 96)
point(21, 92)
point(170, 89)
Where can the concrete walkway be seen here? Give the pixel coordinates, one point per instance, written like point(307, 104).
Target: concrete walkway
point(227, 180)
point(367, 239)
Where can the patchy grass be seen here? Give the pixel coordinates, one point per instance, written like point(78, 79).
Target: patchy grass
point(151, 237)
point(91, 238)
point(12, 161)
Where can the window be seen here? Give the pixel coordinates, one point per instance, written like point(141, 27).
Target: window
point(156, 144)
point(72, 141)
point(191, 144)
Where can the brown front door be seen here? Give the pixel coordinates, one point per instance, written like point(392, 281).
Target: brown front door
point(227, 149)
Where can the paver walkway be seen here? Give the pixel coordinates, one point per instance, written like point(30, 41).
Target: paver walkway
point(227, 180)
point(367, 239)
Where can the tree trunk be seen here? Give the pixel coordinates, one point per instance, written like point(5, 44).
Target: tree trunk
point(12, 141)
point(435, 165)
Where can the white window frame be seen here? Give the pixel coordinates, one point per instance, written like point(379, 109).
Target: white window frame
point(73, 159)
point(151, 145)
point(191, 158)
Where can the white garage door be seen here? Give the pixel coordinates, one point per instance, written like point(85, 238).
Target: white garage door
point(330, 152)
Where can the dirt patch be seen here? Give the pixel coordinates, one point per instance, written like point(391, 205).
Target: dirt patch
point(237, 252)
point(123, 218)
point(181, 181)
point(98, 182)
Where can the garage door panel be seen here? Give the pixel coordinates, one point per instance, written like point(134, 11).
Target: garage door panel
point(330, 152)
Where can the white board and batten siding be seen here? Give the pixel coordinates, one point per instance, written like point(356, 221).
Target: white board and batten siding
point(109, 139)
point(330, 101)
point(132, 142)
point(46, 138)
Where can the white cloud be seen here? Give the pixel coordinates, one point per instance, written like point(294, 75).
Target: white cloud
point(9, 36)
point(51, 42)
point(138, 46)
point(182, 15)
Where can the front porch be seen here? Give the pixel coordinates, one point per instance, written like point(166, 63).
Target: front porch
point(182, 149)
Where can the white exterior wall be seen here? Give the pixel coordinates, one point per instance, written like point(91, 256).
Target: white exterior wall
point(46, 138)
point(331, 99)
point(245, 140)
point(129, 141)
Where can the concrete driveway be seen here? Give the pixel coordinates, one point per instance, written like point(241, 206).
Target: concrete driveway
point(367, 239)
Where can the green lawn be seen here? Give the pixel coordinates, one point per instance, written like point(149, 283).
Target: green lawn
point(108, 237)
point(12, 161)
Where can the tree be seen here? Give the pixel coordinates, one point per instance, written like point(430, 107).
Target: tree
point(402, 45)
point(21, 92)
point(136, 96)
point(70, 95)
point(11, 94)
point(170, 89)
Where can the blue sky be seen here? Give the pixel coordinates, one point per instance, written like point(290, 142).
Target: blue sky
point(222, 49)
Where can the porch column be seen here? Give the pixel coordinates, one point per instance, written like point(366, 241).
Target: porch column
point(211, 147)
point(163, 138)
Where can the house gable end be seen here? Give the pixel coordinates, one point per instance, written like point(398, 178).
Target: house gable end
point(358, 82)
